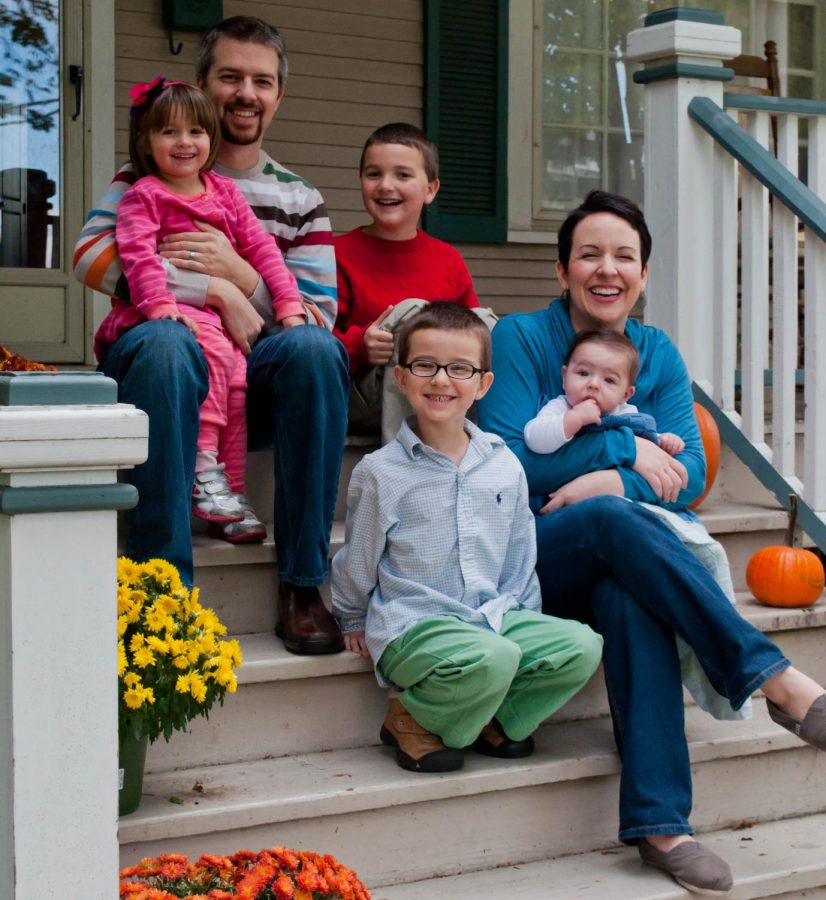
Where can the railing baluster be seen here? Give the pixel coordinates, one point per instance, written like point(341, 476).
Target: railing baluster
point(815, 331)
point(725, 277)
point(755, 294)
point(784, 311)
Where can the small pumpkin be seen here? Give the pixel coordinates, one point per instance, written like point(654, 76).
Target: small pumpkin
point(786, 575)
point(710, 435)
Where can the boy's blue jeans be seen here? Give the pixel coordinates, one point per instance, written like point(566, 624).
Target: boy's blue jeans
point(614, 565)
point(297, 402)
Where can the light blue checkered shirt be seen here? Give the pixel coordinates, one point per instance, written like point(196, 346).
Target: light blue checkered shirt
point(426, 537)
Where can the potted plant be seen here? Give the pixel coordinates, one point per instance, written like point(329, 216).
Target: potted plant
point(173, 663)
point(276, 874)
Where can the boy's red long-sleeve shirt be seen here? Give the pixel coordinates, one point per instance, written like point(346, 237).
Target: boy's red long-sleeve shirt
point(374, 273)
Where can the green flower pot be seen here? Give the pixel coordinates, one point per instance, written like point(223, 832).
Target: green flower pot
point(131, 760)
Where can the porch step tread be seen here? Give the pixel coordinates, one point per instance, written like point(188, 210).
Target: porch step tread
point(332, 783)
point(775, 858)
point(720, 517)
point(266, 659)
point(207, 551)
point(730, 517)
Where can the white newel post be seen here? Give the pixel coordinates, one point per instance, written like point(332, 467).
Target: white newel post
point(683, 52)
point(58, 688)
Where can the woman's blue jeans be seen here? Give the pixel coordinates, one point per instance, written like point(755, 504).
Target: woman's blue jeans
point(616, 566)
point(297, 403)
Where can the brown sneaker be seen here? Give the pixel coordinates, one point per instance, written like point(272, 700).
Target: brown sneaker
point(416, 749)
point(494, 742)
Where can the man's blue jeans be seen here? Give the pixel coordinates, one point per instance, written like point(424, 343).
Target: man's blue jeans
point(160, 369)
point(614, 565)
point(297, 392)
point(297, 402)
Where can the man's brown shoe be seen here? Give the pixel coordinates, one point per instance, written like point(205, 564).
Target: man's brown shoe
point(494, 742)
point(304, 623)
point(416, 749)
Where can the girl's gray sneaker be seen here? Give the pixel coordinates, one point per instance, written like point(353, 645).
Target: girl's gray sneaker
point(249, 530)
point(212, 500)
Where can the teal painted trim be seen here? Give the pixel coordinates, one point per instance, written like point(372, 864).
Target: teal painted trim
point(670, 71)
point(802, 201)
point(762, 469)
point(709, 17)
point(768, 377)
point(795, 105)
point(67, 498)
point(56, 389)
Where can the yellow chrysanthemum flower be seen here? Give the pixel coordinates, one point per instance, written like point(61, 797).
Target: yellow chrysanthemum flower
point(123, 624)
point(148, 695)
point(155, 619)
point(131, 679)
point(182, 684)
point(168, 605)
point(180, 662)
point(128, 570)
point(124, 602)
point(134, 698)
point(122, 662)
point(143, 657)
point(138, 640)
point(193, 651)
point(197, 687)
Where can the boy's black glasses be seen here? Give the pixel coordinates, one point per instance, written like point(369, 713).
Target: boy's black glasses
point(425, 368)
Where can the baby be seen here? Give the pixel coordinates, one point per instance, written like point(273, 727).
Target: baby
point(598, 378)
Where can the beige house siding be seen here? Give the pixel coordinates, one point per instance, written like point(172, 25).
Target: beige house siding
point(354, 65)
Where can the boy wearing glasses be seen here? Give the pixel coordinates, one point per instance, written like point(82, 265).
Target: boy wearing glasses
point(436, 579)
point(382, 266)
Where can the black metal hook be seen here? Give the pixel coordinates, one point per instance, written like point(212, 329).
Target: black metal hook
point(172, 49)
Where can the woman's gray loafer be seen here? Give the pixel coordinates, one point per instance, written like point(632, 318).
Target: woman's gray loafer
point(812, 728)
point(692, 865)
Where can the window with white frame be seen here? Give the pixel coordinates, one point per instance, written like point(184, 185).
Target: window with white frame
point(575, 114)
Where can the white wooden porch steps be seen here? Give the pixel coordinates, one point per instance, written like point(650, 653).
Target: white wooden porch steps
point(783, 859)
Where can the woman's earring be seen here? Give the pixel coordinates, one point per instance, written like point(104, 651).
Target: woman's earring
point(565, 295)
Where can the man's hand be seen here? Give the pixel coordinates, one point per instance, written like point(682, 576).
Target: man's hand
point(239, 316)
point(665, 475)
point(209, 251)
point(593, 484)
point(354, 641)
point(378, 344)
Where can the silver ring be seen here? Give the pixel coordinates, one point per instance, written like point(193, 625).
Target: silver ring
point(193, 254)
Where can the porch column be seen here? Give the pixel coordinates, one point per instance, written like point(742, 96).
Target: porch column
point(683, 52)
point(62, 439)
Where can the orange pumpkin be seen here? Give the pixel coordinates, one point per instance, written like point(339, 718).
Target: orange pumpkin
point(786, 576)
point(710, 435)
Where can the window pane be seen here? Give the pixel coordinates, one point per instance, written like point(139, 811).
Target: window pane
point(572, 23)
point(571, 88)
point(625, 174)
point(624, 17)
point(571, 166)
point(29, 134)
point(801, 35)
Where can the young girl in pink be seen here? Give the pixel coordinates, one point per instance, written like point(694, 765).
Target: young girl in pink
point(173, 141)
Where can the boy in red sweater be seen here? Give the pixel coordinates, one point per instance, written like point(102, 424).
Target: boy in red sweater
point(383, 265)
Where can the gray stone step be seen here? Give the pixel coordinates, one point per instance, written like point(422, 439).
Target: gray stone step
point(240, 581)
point(394, 826)
point(776, 859)
point(285, 703)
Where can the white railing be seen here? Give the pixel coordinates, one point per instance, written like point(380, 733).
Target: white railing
point(724, 279)
point(780, 221)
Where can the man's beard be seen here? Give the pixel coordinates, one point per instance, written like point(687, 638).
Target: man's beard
point(241, 140)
